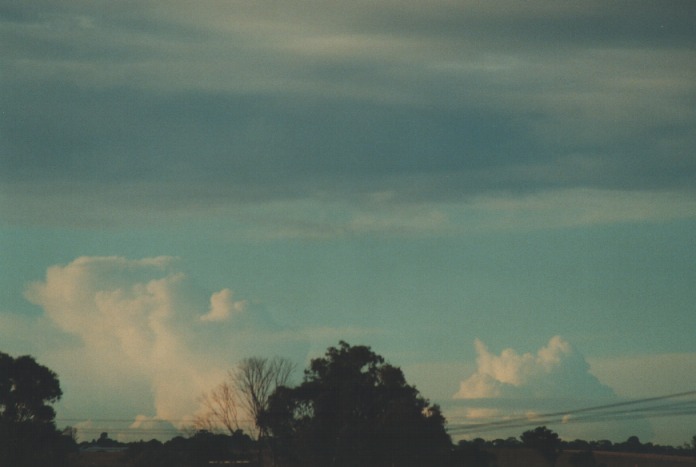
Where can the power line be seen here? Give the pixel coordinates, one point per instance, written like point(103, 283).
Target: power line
point(651, 407)
point(626, 410)
point(595, 413)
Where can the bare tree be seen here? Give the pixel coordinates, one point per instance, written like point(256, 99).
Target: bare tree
point(246, 390)
point(220, 409)
point(256, 379)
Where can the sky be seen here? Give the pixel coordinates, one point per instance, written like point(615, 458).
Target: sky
point(499, 197)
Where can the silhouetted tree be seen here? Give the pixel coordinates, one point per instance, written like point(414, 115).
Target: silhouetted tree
point(70, 432)
point(632, 444)
point(105, 442)
point(221, 409)
point(255, 379)
point(689, 448)
point(26, 390)
point(602, 445)
point(577, 445)
point(203, 448)
point(28, 436)
point(354, 409)
point(247, 388)
point(544, 441)
point(470, 454)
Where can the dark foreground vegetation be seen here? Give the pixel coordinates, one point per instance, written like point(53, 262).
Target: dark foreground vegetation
point(352, 409)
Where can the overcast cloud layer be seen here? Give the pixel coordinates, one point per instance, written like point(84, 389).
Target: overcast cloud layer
point(163, 106)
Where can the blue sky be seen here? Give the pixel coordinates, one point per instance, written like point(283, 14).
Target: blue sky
point(498, 197)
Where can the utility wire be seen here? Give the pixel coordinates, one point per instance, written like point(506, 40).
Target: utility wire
point(614, 411)
point(651, 407)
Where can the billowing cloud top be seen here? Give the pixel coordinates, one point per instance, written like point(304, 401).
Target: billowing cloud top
point(143, 322)
point(555, 371)
point(222, 306)
point(522, 388)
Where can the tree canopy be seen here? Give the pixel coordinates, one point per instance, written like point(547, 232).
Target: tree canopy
point(28, 437)
point(352, 408)
point(248, 387)
point(545, 441)
point(26, 390)
point(255, 379)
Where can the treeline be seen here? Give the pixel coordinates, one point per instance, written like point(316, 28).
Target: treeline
point(206, 448)
point(202, 448)
point(352, 408)
point(632, 444)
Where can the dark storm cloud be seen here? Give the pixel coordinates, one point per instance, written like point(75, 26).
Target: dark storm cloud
point(123, 133)
point(521, 25)
point(443, 101)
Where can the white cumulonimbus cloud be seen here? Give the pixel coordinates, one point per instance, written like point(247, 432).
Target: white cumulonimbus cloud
point(556, 378)
point(222, 306)
point(556, 370)
point(144, 323)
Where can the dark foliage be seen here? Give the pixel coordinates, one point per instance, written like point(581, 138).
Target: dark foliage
point(472, 454)
point(26, 390)
point(544, 441)
point(199, 450)
point(354, 409)
point(28, 436)
point(632, 445)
